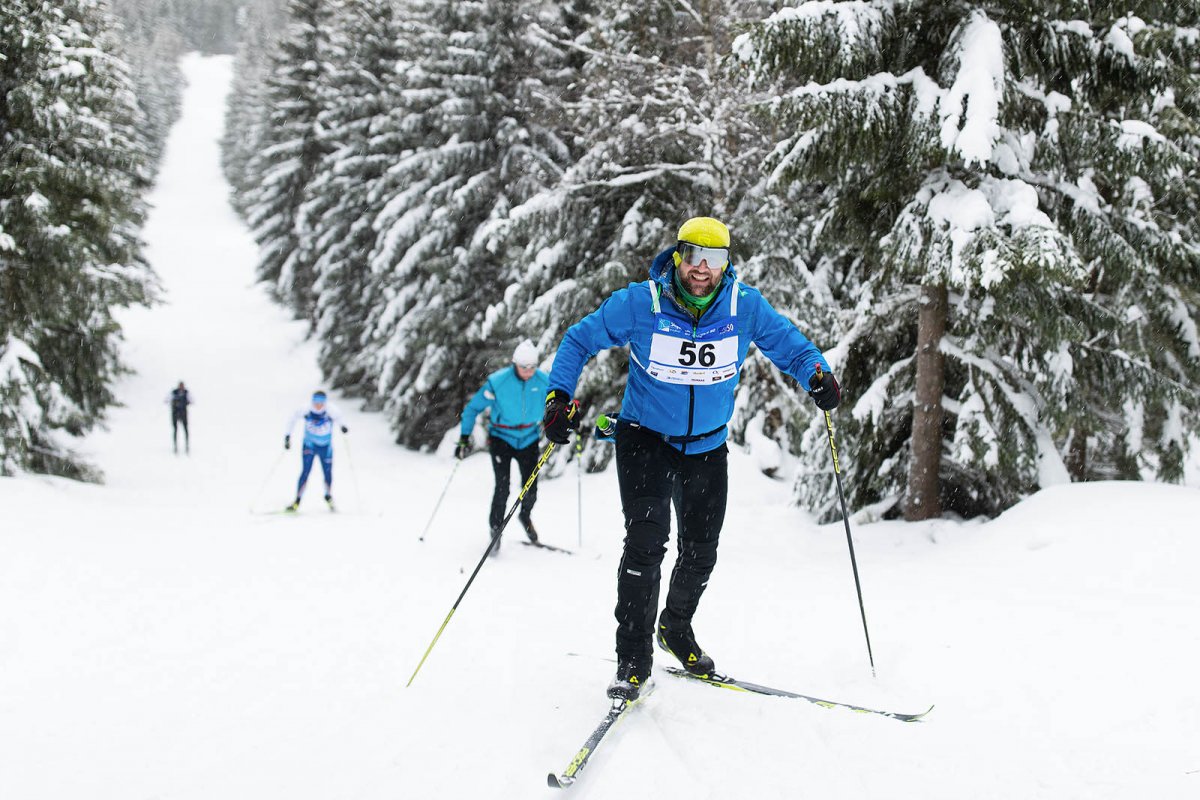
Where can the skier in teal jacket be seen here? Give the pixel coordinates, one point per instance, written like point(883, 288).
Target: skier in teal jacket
point(688, 329)
point(514, 397)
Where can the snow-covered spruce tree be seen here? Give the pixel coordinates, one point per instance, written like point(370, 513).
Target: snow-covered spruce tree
point(246, 108)
point(151, 45)
point(1002, 188)
point(473, 108)
point(772, 412)
point(209, 26)
point(287, 154)
point(72, 169)
point(362, 139)
point(1137, 226)
point(657, 135)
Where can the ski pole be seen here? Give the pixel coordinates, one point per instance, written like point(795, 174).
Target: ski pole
point(579, 481)
point(266, 480)
point(837, 473)
point(495, 542)
point(438, 504)
point(353, 475)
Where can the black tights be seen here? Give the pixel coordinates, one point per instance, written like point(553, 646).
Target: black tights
point(502, 455)
point(653, 475)
point(176, 421)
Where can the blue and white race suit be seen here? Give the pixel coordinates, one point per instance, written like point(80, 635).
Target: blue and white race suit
point(318, 443)
point(318, 425)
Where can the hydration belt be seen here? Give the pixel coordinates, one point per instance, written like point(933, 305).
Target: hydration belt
point(622, 424)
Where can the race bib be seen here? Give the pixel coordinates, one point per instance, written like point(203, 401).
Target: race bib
point(675, 360)
point(319, 426)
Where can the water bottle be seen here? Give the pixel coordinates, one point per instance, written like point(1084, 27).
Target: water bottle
point(606, 427)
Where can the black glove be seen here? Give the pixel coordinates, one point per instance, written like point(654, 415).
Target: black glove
point(560, 418)
point(463, 448)
point(824, 391)
point(287, 442)
point(345, 429)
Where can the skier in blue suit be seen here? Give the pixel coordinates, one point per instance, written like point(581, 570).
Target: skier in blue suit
point(319, 420)
point(514, 395)
point(688, 329)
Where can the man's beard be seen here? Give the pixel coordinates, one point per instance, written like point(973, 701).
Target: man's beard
point(697, 289)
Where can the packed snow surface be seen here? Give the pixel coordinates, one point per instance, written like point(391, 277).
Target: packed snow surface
point(162, 637)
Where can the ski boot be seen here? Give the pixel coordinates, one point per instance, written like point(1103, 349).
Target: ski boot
point(495, 536)
point(530, 531)
point(633, 672)
point(329, 502)
point(294, 506)
point(677, 639)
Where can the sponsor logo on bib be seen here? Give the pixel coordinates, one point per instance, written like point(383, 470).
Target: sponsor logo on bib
point(685, 361)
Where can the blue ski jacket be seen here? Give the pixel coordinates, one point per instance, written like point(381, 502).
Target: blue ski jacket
point(683, 371)
point(517, 406)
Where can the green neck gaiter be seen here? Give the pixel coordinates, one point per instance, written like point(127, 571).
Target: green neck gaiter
point(696, 304)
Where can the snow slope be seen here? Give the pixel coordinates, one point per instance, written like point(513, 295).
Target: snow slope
point(160, 640)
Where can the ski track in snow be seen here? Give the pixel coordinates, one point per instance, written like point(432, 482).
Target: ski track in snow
point(158, 640)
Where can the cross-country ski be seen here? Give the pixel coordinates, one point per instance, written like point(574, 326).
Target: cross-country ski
point(619, 708)
point(725, 682)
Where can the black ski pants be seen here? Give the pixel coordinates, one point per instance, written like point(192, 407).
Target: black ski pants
point(179, 418)
point(503, 454)
point(653, 476)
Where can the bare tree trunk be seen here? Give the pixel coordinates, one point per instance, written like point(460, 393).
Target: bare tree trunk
point(1077, 455)
point(1077, 452)
point(924, 500)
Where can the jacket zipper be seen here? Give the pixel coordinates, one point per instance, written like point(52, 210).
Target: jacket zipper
point(691, 395)
point(691, 388)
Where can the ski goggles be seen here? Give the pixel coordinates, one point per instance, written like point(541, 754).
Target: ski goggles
point(694, 254)
point(318, 399)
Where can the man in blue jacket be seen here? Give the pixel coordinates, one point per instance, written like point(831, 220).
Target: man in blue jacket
point(688, 329)
point(514, 396)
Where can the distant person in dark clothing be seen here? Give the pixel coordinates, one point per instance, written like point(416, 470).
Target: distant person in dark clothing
point(179, 399)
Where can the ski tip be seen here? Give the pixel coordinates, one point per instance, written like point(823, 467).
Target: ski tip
point(554, 782)
point(917, 717)
point(910, 717)
point(550, 547)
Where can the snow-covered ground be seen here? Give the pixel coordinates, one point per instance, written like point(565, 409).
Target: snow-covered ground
point(159, 639)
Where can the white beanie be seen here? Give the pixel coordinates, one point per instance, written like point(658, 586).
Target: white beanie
point(525, 355)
